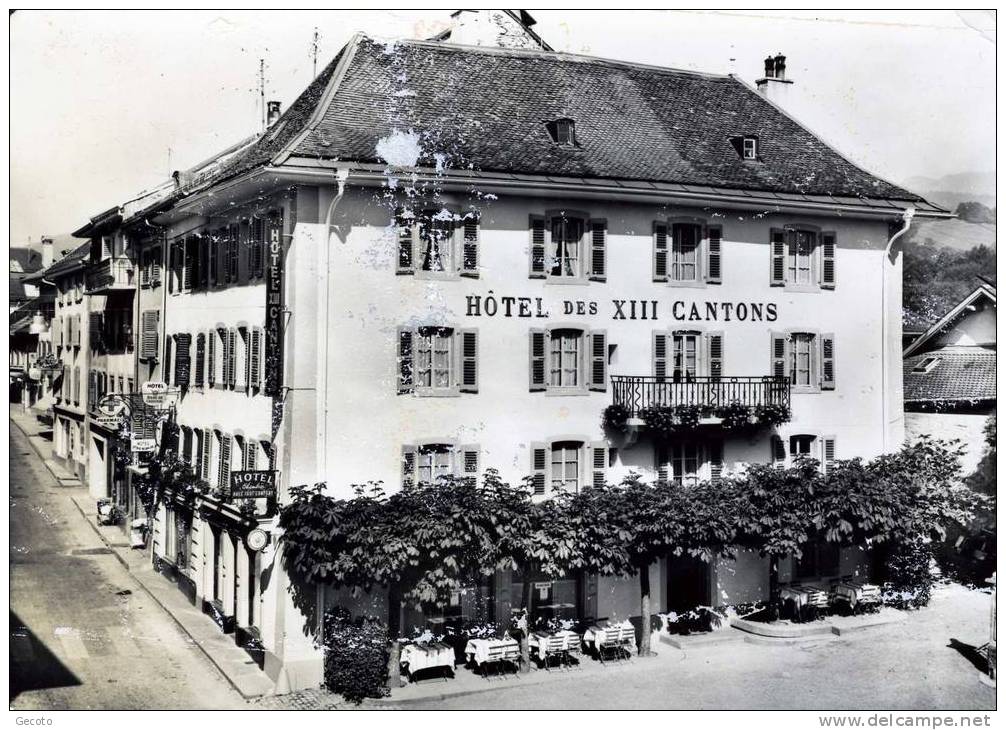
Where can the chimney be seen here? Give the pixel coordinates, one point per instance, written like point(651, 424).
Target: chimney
point(774, 85)
point(272, 112)
point(48, 254)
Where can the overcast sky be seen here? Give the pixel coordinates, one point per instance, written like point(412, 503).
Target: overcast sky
point(99, 98)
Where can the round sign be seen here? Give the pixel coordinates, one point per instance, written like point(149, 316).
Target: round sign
point(257, 539)
point(111, 406)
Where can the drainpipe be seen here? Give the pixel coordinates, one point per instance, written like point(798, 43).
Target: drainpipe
point(906, 216)
point(341, 177)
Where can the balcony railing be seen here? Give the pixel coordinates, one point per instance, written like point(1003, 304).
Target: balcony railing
point(635, 392)
point(110, 275)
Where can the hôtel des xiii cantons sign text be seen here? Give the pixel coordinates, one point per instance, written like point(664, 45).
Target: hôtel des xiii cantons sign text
point(491, 305)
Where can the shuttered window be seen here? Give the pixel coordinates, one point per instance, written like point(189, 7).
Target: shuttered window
point(567, 359)
point(828, 362)
point(255, 359)
point(659, 251)
point(183, 359)
point(406, 361)
point(598, 343)
point(806, 359)
point(199, 376)
point(155, 267)
point(715, 449)
point(536, 360)
point(469, 360)
point(437, 242)
point(211, 358)
point(205, 454)
point(149, 324)
point(828, 273)
point(224, 468)
point(714, 354)
point(536, 247)
point(539, 467)
point(827, 454)
point(470, 246)
point(777, 252)
point(437, 360)
point(166, 366)
point(426, 463)
point(405, 243)
point(598, 258)
point(94, 332)
point(660, 355)
point(714, 255)
point(598, 454)
point(231, 357)
point(256, 248)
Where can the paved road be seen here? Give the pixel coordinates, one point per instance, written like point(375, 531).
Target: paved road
point(84, 635)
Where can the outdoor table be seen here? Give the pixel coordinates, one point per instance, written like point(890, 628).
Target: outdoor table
point(596, 636)
point(854, 593)
point(481, 651)
point(804, 598)
point(539, 642)
point(417, 657)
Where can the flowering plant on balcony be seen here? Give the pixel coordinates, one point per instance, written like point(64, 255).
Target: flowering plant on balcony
point(615, 417)
point(671, 419)
point(736, 416)
point(772, 414)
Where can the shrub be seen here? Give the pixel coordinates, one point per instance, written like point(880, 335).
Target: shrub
point(910, 581)
point(356, 655)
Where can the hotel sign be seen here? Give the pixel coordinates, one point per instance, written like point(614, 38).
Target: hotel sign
point(491, 305)
point(252, 484)
point(274, 310)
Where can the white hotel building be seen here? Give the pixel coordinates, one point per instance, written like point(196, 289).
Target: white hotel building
point(476, 250)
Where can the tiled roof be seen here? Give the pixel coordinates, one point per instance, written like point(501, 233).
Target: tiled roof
point(24, 260)
point(485, 109)
point(69, 262)
point(961, 374)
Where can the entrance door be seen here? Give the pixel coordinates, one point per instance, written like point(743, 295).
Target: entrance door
point(687, 583)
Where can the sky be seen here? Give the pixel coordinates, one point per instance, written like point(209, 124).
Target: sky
point(105, 104)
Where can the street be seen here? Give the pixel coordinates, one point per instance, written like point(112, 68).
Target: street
point(84, 635)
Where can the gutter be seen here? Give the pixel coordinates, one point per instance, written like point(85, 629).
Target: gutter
point(906, 216)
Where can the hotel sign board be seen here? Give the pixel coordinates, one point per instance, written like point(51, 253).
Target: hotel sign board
point(158, 395)
point(252, 484)
point(274, 310)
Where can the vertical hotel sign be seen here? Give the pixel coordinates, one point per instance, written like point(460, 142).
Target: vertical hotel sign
point(274, 308)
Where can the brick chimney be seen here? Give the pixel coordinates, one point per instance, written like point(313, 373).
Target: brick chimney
point(48, 254)
point(774, 85)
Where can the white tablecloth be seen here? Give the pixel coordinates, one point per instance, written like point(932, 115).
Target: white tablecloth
point(595, 636)
point(538, 643)
point(478, 649)
point(418, 657)
point(856, 593)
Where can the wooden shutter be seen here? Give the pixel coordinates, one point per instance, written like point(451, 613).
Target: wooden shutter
point(189, 263)
point(469, 466)
point(777, 251)
point(405, 342)
point(224, 473)
point(714, 354)
point(714, 245)
point(145, 270)
point(539, 463)
point(155, 267)
point(536, 249)
point(598, 454)
point(255, 359)
point(76, 330)
point(663, 464)
point(166, 368)
point(536, 360)
point(828, 260)
point(200, 370)
point(470, 247)
point(828, 454)
point(779, 344)
point(183, 361)
point(659, 251)
point(660, 354)
point(597, 341)
point(828, 362)
point(211, 358)
point(598, 250)
point(408, 466)
point(148, 338)
point(469, 381)
point(232, 357)
point(715, 461)
point(778, 452)
point(94, 331)
point(406, 236)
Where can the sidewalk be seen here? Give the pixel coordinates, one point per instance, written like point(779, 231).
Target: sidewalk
point(232, 661)
point(40, 437)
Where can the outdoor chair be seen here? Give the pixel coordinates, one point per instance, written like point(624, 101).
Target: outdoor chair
point(556, 646)
point(499, 655)
point(618, 642)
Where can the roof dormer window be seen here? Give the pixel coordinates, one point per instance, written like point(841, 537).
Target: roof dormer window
point(746, 147)
point(562, 131)
point(926, 365)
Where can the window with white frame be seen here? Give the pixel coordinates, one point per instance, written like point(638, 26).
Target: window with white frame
point(568, 464)
point(567, 245)
point(686, 239)
point(434, 358)
point(800, 359)
point(428, 462)
point(565, 347)
point(750, 148)
point(800, 257)
point(805, 359)
point(437, 242)
point(565, 466)
point(686, 463)
point(568, 360)
point(685, 354)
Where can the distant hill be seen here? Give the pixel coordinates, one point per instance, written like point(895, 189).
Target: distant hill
point(957, 234)
point(951, 190)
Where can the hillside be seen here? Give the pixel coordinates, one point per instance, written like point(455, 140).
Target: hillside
point(957, 234)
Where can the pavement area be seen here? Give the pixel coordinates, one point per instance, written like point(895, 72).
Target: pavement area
point(83, 633)
point(92, 627)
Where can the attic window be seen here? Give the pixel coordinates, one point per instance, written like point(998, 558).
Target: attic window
point(562, 131)
point(746, 146)
point(926, 365)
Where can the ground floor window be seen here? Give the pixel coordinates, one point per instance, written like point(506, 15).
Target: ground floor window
point(566, 465)
point(549, 600)
point(819, 559)
point(681, 463)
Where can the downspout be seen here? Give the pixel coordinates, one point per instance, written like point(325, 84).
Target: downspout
point(341, 177)
point(906, 216)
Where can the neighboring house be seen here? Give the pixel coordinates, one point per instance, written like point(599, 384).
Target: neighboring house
point(345, 300)
point(950, 375)
point(31, 309)
point(69, 340)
